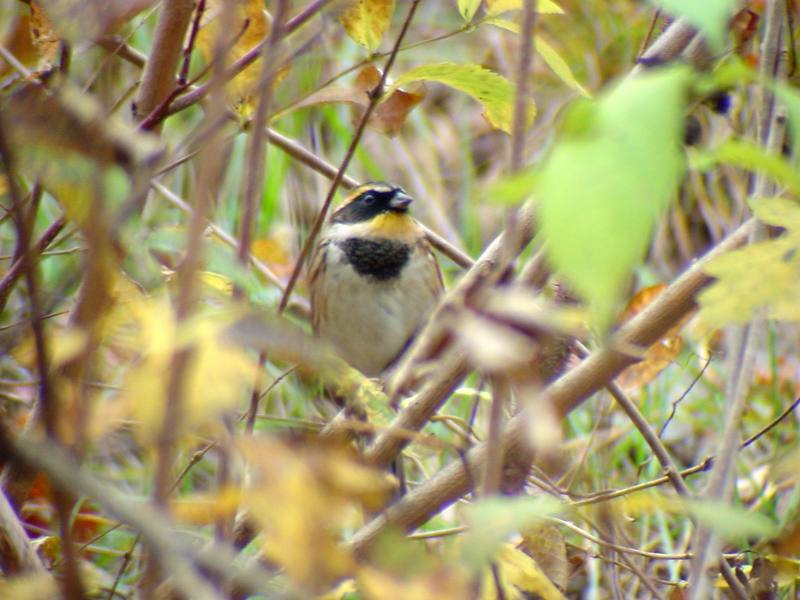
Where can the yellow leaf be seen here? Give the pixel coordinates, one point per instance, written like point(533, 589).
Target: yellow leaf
point(217, 282)
point(435, 585)
point(468, 8)
point(248, 24)
point(496, 7)
point(206, 509)
point(550, 56)
point(760, 276)
point(493, 91)
point(520, 577)
point(366, 21)
point(34, 586)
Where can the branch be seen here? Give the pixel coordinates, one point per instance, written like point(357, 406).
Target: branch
point(565, 394)
point(158, 79)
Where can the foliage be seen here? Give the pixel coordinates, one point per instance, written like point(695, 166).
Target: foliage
point(186, 438)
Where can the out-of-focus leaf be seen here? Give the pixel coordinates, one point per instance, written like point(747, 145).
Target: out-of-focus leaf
point(496, 7)
point(608, 178)
point(366, 21)
point(658, 356)
point(750, 156)
point(247, 26)
point(762, 275)
point(82, 20)
point(207, 509)
point(303, 496)
point(73, 121)
point(435, 585)
point(519, 576)
point(549, 54)
point(468, 8)
point(711, 17)
point(493, 91)
point(33, 586)
point(545, 543)
point(730, 522)
point(17, 40)
point(493, 519)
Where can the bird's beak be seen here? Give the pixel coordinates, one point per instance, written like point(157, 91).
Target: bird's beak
point(400, 201)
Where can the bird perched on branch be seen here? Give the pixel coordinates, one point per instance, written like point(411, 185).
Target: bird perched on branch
point(373, 279)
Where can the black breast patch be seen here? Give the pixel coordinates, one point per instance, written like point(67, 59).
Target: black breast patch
point(379, 258)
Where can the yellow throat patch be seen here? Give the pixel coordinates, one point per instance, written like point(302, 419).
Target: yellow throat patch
point(394, 225)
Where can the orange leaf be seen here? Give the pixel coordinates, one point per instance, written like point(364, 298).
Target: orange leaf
point(661, 354)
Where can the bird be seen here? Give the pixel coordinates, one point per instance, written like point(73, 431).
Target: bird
point(373, 278)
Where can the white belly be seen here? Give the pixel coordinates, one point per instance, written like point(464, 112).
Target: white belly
point(370, 321)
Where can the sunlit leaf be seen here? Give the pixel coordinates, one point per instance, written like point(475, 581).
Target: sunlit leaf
point(496, 7)
point(366, 21)
point(711, 17)
point(607, 180)
point(493, 91)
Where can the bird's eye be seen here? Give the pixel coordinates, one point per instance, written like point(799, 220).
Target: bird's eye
point(368, 199)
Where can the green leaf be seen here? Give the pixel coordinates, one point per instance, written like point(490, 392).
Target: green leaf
point(549, 54)
point(608, 179)
point(730, 522)
point(493, 91)
point(492, 520)
point(468, 8)
point(761, 276)
point(752, 157)
point(711, 17)
point(496, 7)
point(365, 21)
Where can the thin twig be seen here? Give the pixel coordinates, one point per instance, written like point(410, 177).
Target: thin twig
point(520, 120)
point(257, 150)
point(374, 97)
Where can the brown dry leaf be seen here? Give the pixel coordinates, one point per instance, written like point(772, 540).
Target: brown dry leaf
point(390, 114)
point(302, 495)
point(45, 40)
point(545, 544)
point(440, 584)
point(366, 21)
point(248, 25)
point(83, 20)
point(661, 354)
point(17, 40)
